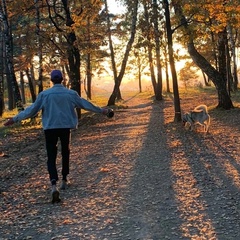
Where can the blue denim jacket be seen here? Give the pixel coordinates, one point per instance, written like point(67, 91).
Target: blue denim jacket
point(58, 105)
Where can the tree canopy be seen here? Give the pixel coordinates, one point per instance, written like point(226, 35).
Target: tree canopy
point(82, 39)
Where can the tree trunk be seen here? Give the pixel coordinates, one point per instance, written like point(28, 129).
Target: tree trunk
point(177, 117)
point(233, 50)
point(229, 71)
point(167, 78)
point(31, 87)
point(1, 72)
point(166, 69)
point(88, 62)
point(222, 38)
point(214, 49)
point(139, 74)
point(73, 55)
point(74, 63)
point(22, 87)
point(89, 77)
point(10, 93)
point(224, 100)
point(39, 42)
point(157, 47)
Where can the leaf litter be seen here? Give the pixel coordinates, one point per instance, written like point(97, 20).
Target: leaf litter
point(137, 176)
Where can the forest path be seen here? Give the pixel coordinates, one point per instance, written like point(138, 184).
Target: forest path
point(136, 176)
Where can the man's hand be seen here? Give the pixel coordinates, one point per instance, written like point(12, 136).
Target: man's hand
point(108, 112)
point(9, 122)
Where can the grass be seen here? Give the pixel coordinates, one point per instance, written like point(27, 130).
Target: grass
point(99, 100)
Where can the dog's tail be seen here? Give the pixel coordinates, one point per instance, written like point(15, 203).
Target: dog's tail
point(201, 108)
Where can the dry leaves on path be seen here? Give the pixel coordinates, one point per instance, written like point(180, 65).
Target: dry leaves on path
point(137, 176)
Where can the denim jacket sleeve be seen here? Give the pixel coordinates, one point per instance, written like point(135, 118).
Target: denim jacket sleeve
point(30, 111)
point(86, 105)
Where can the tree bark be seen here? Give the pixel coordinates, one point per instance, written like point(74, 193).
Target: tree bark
point(88, 63)
point(30, 83)
point(39, 42)
point(22, 88)
point(177, 108)
point(139, 73)
point(157, 47)
point(232, 42)
point(1, 72)
point(89, 76)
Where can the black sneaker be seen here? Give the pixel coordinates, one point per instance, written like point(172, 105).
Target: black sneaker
point(55, 196)
point(63, 185)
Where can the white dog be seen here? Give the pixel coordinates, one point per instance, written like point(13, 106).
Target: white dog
point(199, 115)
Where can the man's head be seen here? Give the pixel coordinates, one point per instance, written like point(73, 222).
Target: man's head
point(56, 76)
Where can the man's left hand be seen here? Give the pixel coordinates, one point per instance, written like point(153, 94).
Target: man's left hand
point(9, 122)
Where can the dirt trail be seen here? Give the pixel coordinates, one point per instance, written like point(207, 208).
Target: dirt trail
point(137, 176)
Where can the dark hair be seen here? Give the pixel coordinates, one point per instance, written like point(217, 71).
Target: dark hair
point(57, 80)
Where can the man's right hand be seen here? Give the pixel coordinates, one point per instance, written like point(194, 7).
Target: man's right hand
point(108, 112)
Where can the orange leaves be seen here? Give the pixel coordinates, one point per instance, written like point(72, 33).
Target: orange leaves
point(215, 14)
point(67, 221)
point(104, 170)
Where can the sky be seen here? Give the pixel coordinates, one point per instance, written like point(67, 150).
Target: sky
point(114, 6)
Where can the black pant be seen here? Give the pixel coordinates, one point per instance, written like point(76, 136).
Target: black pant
point(51, 137)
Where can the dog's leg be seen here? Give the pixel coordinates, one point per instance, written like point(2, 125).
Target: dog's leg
point(208, 124)
point(207, 127)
